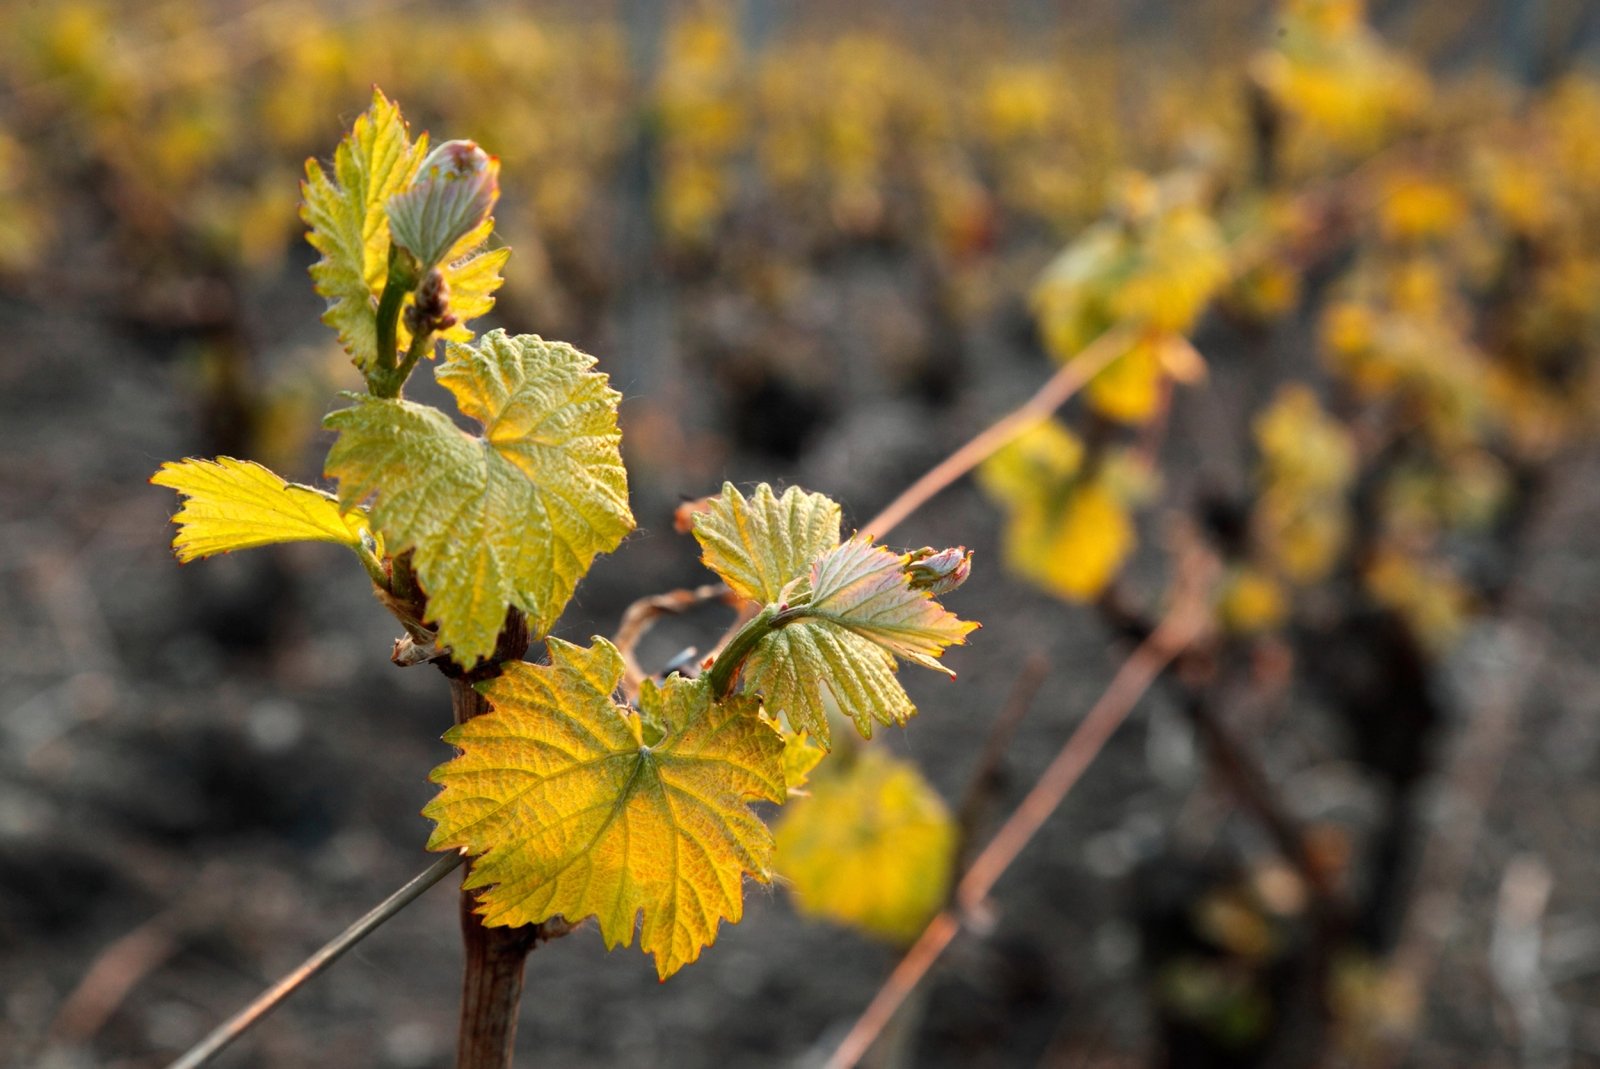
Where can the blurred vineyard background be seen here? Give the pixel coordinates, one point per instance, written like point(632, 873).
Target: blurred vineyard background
point(1350, 261)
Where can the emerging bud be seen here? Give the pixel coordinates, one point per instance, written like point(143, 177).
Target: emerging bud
point(455, 190)
point(431, 309)
point(938, 571)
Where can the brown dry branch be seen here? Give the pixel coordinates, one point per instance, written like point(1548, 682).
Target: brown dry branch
point(985, 778)
point(1470, 781)
point(1185, 622)
point(1057, 389)
point(639, 617)
point(116, 970)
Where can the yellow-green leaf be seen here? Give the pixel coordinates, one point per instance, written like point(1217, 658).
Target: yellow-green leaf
point(348, 224)
point(573, 812)
point(868, 590)
point(871, 846)
point(800, 758)
point(233, 504)
point(862, 611)
point(758, 545)
point(472, 275)
point(514, 517)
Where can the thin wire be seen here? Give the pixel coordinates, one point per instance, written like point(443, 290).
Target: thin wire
point(251, 1015)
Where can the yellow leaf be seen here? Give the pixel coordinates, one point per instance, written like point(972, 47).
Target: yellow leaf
point(1073, 549)
point(1043, 455)
point(510, 518)
point(1129, 389)
point(760, 544)
point(1426, 593)
point(800, 757)
point(1155, 270)
point(872, 846)
point(579, 807)
point(238, 504)
point(1301, 446)
point(1252, 601)
point(1066, 533)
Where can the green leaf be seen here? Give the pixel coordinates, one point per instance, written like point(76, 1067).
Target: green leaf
point(798, 666)
point(345, 211)
point(759, 545)
point(233, 504)
point(871, 846)
point(843, 610)
point(862, 611)
point(514, 517)
point(573, 812)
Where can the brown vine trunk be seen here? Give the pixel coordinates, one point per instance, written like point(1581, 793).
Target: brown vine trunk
point(491, 989)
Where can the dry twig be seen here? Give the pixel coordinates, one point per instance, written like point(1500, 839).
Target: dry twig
point(1071, 378)
point(1186, 621)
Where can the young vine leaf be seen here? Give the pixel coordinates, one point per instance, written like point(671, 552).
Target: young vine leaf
point(233, 504)
point(761, 544)
point(471, 275)
point(345, 212)
point(842, 614)
point(872, 846)
point(578, 806)
point(513, 517)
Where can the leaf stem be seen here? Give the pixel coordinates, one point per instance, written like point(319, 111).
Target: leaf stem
point(375, 570)
point(726, 666)
point(421, 343)
point(384, 380)
point(251, 1015)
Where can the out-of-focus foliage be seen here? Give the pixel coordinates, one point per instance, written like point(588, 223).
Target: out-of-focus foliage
point(1456, 341)
point(871, 847)
point(1154, 268)
point(1336, 80)
point(1069, 527)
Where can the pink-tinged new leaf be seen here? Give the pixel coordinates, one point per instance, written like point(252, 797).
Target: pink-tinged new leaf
point(870, 590)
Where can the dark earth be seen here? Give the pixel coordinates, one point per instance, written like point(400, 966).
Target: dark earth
point(208, 770)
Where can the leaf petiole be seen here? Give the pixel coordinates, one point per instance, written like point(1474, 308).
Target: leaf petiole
point(726, 667)
point(385, 380)
point(421, 342)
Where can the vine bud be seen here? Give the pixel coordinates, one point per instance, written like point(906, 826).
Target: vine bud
point(430, 311)
point(455, 190)
point(938, 571)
